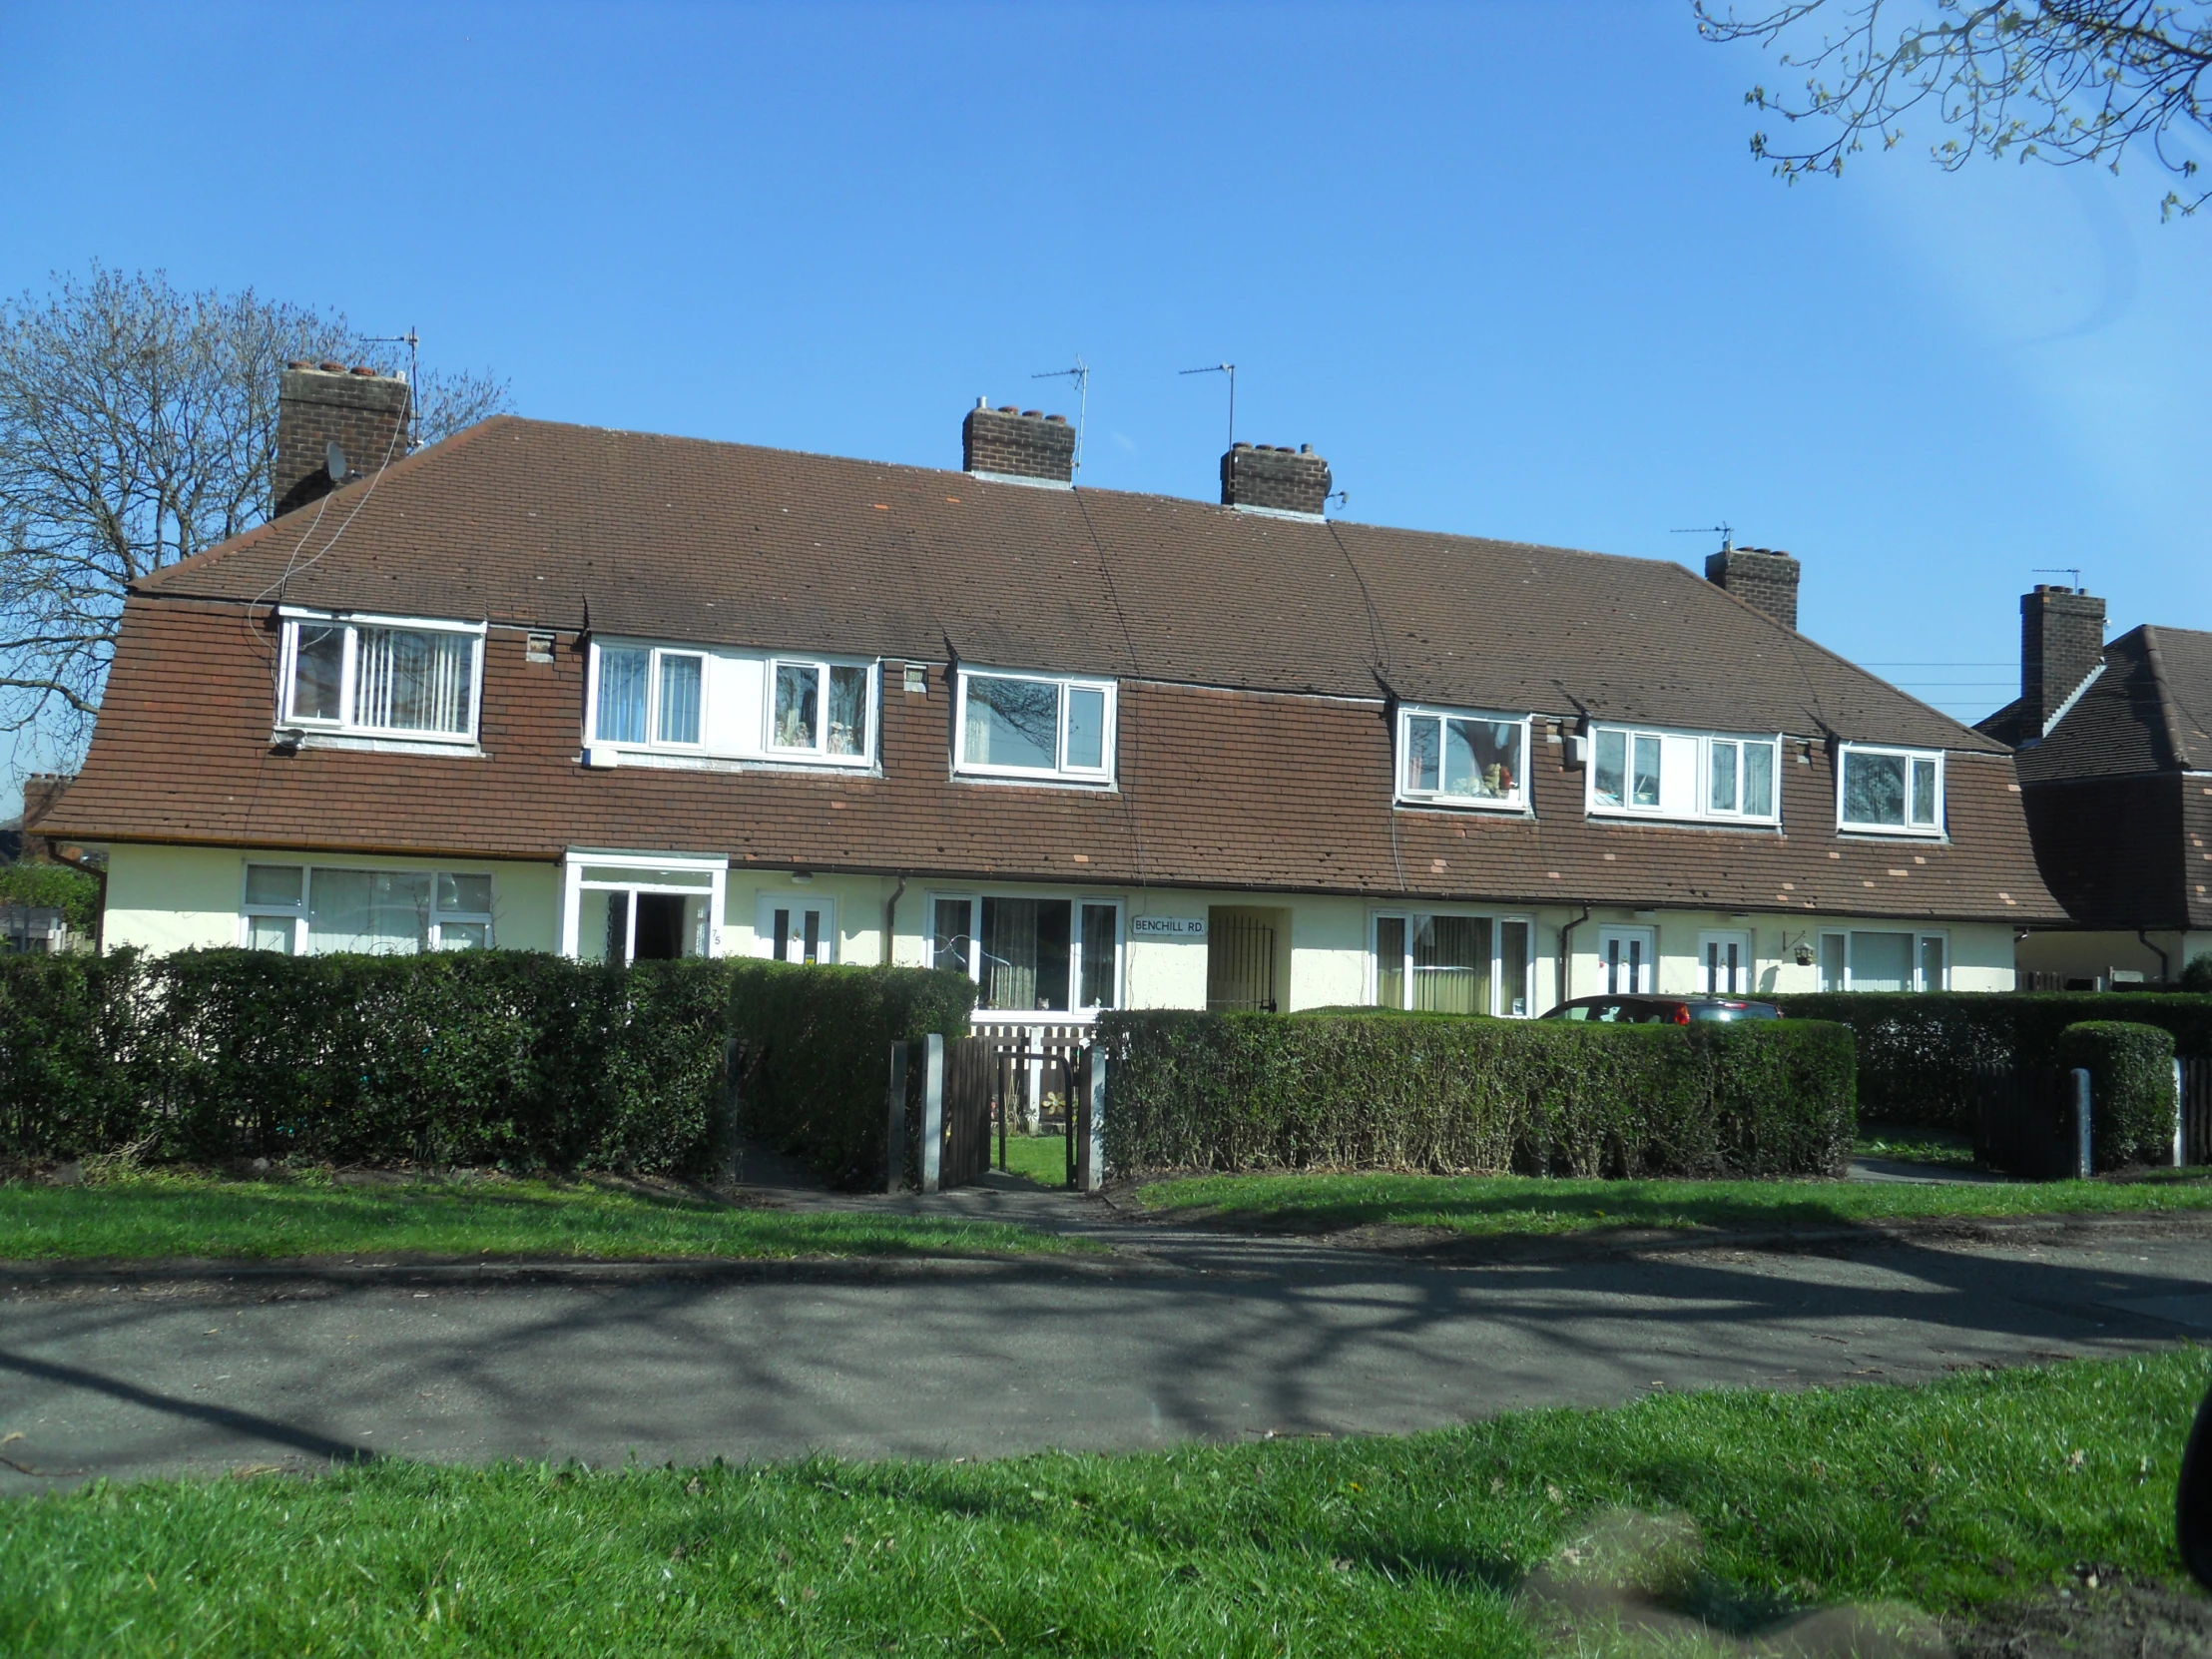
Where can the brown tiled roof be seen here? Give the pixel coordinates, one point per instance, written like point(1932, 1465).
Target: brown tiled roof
point(1220, 788)
point(533, 523)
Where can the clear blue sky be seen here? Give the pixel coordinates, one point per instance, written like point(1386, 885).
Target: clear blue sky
point(1509, 266)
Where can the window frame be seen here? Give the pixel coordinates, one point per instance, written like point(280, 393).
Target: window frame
point(1701, 792)
point(1406, 795)
point(251, 910)
point(1499, 920)
point(294, 618)
point(652, 743)
point(820, 754)
point(1920, 936)
point(1077, 1010)
point(1917, 831)
point(1060, 772)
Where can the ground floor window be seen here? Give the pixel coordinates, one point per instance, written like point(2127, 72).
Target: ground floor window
point(1871, 960)
point(1030, 955)
point(641, 907)
point(1451, 964)
point(322, 909)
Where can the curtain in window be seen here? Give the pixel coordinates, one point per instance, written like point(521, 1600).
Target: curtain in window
point(1099, 947)
point(1390, 961)
point(1882, 961)
point(1009, 953)
point(950, 945)
point(406, 679)
point(383, 912)
point(679, 700)
point(1451, 964)
point(1874, 790)
point(848, 711)
point(621, 696)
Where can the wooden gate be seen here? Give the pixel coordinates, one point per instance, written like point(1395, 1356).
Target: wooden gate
point(970, 1073)
point(2028, 1122)
point(2196, 1111)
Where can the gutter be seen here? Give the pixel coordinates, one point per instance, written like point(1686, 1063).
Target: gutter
point(890, 915)
point(1565, 963)
point(2165, 963)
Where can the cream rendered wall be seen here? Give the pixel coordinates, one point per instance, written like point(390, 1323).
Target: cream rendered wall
point(164, 898)
point(856, 899)
point(1981, 953)
point(1329, 953)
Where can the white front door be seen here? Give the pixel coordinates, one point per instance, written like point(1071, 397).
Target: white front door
point(1624, 956)
point(797, 928)
point(1723, 964)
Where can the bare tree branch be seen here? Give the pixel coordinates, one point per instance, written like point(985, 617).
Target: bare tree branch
point(2058, 81)
point(138, 427)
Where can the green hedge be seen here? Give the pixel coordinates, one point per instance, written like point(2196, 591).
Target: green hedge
point(1440, 1094)
point(814, 1047)
point(492, 1057)
point(74, 892)
point(2131, 1089)
point(1918, 1052)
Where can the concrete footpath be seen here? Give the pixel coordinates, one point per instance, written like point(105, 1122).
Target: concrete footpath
point(1181, 1335)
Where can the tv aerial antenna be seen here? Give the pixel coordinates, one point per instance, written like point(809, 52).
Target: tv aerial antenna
point(413, 343)
point(1229, 370)
point(1081, 376)
point(1722, 530)
point(2059, 570)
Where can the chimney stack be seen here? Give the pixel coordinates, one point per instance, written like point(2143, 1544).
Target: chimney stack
point(1765, 578)
point(1275, 480)
point(327, 414)
point(1019, 444)
point(2062, 644)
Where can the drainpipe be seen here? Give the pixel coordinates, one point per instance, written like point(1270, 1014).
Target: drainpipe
point(890, 915)
point(1567, 960)
point(2165, 963)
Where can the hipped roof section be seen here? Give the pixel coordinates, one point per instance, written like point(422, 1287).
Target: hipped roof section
point(537, 524)
point(2149, 710)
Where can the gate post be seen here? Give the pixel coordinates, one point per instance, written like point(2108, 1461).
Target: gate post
point(1090, 1155)
point(2181, 1115)
point(2080, 1149)
point(895, 1122)
point(932, 1111)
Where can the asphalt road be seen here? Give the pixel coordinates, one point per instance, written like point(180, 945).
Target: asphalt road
point(1200, 1337)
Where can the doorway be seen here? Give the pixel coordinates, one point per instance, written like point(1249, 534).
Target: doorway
point(1724, 963)
point(794, 929)
point(1246, 965)
point(1624, 958)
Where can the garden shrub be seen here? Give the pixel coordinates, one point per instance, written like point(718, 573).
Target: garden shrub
point(2197, 976)
point(2131, 1089)
point(1919, 1052)
point(69, 1049)
point(814, 1053)
point(64, 888)
point(1440, 1094)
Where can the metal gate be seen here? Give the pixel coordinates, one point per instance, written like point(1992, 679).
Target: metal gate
point(2195, 1137)
point(1240, 965)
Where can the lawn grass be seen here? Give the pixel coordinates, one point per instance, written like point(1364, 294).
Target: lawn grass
point(1951, 1496)
point(160, 1215)
point(1039, 1158)
point(1485, 1204)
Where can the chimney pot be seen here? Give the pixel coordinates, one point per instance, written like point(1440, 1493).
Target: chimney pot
point(1008, 408)
point(1276, 477)
point(363, 368)
point(1032, 415)
point(1059, 419)
point(297, 362)
point(330, 367)
point(1304, 449)
point(982, 403)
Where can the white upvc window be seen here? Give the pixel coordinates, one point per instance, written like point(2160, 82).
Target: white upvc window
point(1462, 760)
point(1689, 776)
point(380, 677)
point(1890, 792)
point(1030, 953)
point(648, 696)
point(320, 910)
point(1034, 726)
point(1445, 963)
point(820, 710)
point(1885, 959)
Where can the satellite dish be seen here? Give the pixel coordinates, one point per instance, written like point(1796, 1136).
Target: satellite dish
point(334, 459)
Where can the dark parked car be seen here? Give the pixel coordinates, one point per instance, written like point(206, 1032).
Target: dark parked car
point(1662, 1010)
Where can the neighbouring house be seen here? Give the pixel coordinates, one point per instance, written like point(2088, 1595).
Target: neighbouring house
point(2113, 744)
point(27, 922)
point(626, 695)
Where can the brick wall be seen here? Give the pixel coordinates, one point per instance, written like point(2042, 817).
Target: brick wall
point(2061, 641)
point(1287, 480)
point(364, 415)
point(1762, 576)
point(1020, 442)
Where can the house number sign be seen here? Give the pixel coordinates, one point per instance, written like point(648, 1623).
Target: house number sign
point(1167, 928)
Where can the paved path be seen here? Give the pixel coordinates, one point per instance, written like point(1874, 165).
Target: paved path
point(1189, 1336)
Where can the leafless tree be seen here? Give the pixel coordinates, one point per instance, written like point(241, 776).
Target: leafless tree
point(138, 425)
point(2059, 81)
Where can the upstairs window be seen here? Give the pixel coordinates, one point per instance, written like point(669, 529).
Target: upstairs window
point(1891, 791)
point(821, 710)
point(381, 678)
point(1461, 760)
point(649, 696)
point(1684, 776)
point(1023, 725)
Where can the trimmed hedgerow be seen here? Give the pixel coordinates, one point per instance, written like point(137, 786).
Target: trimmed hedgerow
point(1919, 1052)
point(69, 1052)
point(814, 1053)
point(1443, 1094)
point(2131, 1089)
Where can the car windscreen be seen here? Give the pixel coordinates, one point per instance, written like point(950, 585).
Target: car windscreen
point(1745, 1010)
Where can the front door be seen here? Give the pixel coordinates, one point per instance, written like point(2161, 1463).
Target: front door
point(797, 929)
point(1723, 964)
point(1625, 963)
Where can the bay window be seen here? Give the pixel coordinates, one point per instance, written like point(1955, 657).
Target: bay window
point(1891, 791)
point(1461, 760)
point(1025, 725)
point(1030, 955)
point(1439, 963)
point(322, 909)
point(1686, 776)
point(378, 677)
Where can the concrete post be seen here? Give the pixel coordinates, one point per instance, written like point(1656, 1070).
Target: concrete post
point(932, 1111)
point(2181, 1116)
point(2081, 1158)
point(894, 1123)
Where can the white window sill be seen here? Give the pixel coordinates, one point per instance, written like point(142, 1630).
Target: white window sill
point(1465, 803)
point(1035, 779)
point(380, 743)
point(663, 760)
point(1757, 825)
point(1887, 833)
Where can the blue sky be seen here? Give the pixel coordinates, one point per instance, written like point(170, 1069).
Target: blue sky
point(1509, 266)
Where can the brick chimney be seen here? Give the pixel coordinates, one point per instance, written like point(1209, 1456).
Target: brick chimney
point(1765, 578)
point(2062, 644)
point(1278, 480)
point(1017, 444)
point(362, 412)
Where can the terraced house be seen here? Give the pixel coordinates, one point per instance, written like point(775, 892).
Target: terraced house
point(618, 694)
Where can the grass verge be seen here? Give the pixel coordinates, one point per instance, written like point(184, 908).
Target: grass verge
point(1954, 1498)
point(1487, 1205)
point(163, 1214)
point(1039, 1158)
